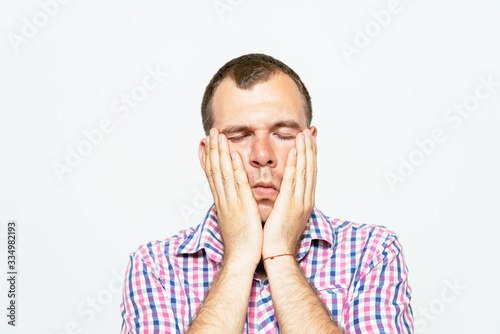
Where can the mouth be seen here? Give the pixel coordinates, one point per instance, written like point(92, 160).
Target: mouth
point(265, 190)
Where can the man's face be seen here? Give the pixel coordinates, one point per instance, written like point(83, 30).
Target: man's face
point(261, 125)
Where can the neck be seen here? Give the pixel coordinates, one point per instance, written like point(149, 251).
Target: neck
point(261, 271)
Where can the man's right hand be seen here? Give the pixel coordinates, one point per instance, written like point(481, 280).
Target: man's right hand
point(237, 211)
point(225, 306)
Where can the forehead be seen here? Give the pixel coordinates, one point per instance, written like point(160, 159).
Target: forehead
point(265, 104)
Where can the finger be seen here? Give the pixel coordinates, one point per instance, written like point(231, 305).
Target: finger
point(310, 166)
point(301, 169)
point(288, 184)
point(215, 165)
point(241, 184)
point(226, 168)
point(315, 165)
point(207, 170)
point(315, 146)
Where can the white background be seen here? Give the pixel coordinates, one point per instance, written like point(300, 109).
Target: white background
point(144, 182)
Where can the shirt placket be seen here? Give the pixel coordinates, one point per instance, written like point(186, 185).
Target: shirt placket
point(265, 310)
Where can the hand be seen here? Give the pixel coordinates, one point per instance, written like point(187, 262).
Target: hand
point(295, 201)
point(237, 211)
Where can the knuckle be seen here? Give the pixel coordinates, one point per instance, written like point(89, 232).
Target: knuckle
point(225, 175)
point(213, 172)
point(239, 184)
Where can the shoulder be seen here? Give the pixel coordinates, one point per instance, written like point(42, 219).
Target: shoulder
point(363, 233)
point(368, 243)
point(155, 251)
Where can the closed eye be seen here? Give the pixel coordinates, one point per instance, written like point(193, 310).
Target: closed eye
point(285, 137)
point(239, 138)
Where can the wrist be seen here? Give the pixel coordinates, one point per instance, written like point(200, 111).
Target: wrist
point(240, 263)
point(279, 255)
point(276, 246)
point(279, 263)
point(274, 251)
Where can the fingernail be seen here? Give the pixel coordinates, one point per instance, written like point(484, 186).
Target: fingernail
point(309, 133)
point(208, 140)
point(218, 139)
point(303, 138)
point(233, 156)
point(212, 132)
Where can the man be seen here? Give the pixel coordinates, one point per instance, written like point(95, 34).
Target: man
point(265, 259)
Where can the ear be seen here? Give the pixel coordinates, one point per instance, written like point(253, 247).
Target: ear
point(201, 152)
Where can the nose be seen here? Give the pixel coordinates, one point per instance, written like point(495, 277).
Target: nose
point(262, 152)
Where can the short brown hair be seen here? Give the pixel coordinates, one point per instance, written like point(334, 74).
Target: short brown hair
point(246, 71)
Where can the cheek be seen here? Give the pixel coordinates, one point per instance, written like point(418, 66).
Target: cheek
point(235, 148)
point(283, 153)
point(282, 157)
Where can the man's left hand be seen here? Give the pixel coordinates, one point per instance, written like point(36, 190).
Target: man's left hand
point(295, 201)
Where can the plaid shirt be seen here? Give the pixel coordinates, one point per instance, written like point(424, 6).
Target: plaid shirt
point(358, 270)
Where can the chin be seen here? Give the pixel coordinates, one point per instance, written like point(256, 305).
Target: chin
point(265, 210)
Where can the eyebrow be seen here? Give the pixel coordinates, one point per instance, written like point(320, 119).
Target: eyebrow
point(280, 124)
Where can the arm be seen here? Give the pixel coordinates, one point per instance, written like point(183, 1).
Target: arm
point(298, 308)
point(296, 304)
point(226, 304)
point(148, 306)
point(381, 298)
point(146, 303)
point(225, 307)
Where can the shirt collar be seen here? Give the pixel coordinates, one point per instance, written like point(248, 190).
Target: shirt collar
point(207, 235)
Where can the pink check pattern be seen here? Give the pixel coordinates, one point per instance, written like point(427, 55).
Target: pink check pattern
point(358, 271)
